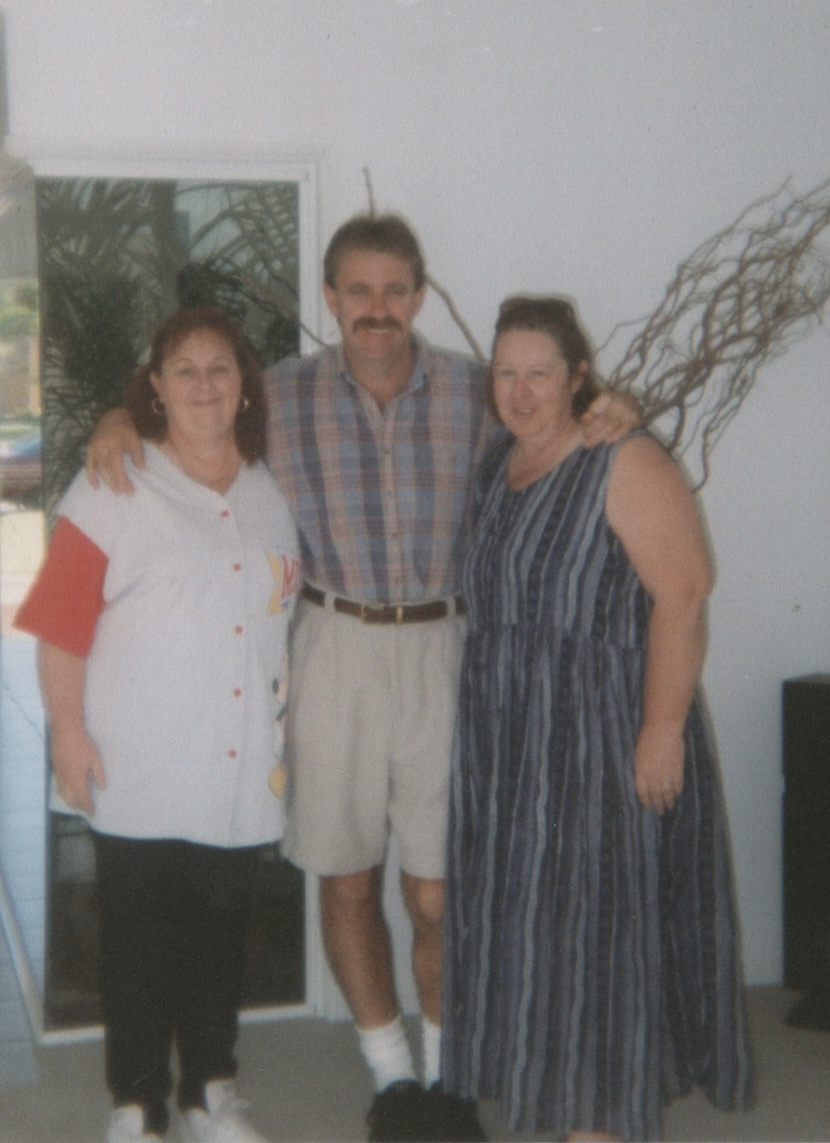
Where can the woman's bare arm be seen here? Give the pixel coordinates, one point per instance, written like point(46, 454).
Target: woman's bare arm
point(76, 762)
point(652, 511)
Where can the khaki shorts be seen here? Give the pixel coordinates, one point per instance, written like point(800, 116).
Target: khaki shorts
point(370, 729)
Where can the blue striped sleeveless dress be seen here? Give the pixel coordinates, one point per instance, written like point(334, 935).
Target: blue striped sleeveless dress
point(592, 971)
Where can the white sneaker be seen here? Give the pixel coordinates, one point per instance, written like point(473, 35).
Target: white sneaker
point(127, 1125)
point(223, 1122)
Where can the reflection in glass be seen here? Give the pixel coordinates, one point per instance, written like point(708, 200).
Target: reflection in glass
point(118, 255)
point(23, 767)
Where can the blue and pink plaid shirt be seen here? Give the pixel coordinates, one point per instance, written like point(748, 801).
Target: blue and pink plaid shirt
point(381, 498)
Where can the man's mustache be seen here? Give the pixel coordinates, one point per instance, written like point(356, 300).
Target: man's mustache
point(375, 324)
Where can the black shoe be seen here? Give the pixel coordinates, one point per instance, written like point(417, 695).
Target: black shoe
point(453, 1120)
point(400, 1114)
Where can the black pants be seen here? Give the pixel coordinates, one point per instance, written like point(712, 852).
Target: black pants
point(172, 917)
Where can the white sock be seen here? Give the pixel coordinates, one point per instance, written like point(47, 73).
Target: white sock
point(387, 1053)
point(432, 1051)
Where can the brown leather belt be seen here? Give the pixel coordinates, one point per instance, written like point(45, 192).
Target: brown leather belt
point(386, 612)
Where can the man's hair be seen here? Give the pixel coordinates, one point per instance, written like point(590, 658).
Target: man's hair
point(381, 234)
point(139, 395)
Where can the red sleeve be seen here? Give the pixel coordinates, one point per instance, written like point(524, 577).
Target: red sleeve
point(67, 597)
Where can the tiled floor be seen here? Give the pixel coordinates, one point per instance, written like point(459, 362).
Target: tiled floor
point(17, 1060)
point(307, 1082)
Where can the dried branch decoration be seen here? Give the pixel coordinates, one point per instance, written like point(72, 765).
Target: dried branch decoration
point(739, 301)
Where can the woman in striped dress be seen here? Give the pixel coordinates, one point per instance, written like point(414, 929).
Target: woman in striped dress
point(592, 964)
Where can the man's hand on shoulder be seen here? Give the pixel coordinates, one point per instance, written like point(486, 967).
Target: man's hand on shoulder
point(609, 417)
point(114, 436)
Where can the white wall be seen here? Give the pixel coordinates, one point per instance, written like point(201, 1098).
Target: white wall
point(586, 147)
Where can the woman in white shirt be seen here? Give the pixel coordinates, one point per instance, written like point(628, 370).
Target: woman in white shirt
point(162, 620)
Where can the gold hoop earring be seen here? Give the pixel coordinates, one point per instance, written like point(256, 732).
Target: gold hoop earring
point(157, 406)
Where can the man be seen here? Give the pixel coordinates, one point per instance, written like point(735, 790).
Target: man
point(375, 443)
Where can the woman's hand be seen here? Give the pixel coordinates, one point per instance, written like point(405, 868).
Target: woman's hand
point(609, 417)
point(77, 766)
point(76, 763)
point(114, 436)
point(658, 768)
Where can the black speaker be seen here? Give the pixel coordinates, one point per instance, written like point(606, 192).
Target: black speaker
point(806, 749)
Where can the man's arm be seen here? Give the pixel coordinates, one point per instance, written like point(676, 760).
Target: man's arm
point(609, 417)
point(114, 435)
point(75, 759)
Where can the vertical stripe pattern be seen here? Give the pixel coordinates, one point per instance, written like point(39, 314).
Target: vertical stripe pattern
point(592, 970)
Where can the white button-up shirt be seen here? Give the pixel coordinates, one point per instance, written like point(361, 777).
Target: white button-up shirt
point(186, 677)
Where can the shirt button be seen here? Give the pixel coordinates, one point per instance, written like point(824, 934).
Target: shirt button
point(237, 567)
point(236, 692)
point(224, 513)
point(237, 630)
point(231, 753)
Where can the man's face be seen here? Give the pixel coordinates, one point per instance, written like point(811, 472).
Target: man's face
point(375, 302)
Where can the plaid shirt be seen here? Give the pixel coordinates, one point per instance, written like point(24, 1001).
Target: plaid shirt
point(381, 498)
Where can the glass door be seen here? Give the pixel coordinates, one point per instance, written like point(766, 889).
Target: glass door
point(89, 266)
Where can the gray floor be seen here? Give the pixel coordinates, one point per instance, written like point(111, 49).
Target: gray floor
point(306, 1081)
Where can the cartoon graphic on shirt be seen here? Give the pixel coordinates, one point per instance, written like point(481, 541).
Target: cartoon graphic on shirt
point(287, 574)
point(279, 686)
point(277, 779)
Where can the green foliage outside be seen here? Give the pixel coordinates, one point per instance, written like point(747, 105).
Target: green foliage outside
point(118, 256)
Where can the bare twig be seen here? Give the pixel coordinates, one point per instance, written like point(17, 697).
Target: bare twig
point(446, 298)
point(739, 301)
point(370, 194)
